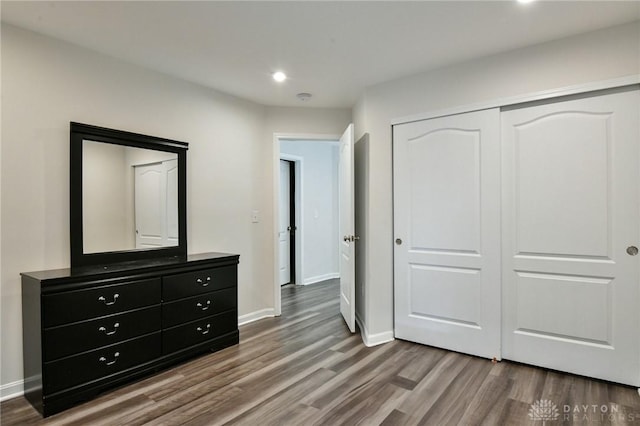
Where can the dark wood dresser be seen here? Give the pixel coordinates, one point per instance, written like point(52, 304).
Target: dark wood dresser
point(90, 329)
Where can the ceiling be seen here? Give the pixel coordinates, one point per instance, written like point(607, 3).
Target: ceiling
point(332, 49)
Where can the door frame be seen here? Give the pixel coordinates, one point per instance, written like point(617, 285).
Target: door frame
point(297, 264)
point(275, 167)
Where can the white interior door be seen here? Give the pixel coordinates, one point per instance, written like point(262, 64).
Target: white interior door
point(171, 170)
point(447, 230)
point(570, 212)
point(347, 229)
point(150, 202)
point(156, 204)
point(284, 236)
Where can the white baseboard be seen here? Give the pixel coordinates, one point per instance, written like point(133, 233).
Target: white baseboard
point(319, 278)
point(11, 390)
point(255, 316)
point(373, 339)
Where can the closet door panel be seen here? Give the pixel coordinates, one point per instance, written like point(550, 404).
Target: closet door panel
point(570, 212)
point(447, 225)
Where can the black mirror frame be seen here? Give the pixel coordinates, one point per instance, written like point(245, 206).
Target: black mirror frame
point(80, 132)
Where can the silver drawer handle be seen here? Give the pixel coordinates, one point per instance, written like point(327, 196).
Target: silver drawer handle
point(203, 331)
point(203, 307)
point(115, 299)
point(205, 282)
point(109, 333)
point(115, 358)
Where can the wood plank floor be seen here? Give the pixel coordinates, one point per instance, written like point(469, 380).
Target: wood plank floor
point(305, 368)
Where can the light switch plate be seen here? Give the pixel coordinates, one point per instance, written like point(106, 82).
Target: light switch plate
point(255, 216)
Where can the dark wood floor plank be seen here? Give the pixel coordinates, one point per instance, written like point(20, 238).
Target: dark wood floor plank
point(511, 412)
point(396, 418)
point(528, 382)
point(359, 398)
point(107, 416)
point(349, 379)
point(371, 406)
point(277, 409)
point(433, 385)
point(347, 344)
point(429, 357)
point(182, 414)
point(256, 387)
point(490, 400)
point(453, 402)
point(306, 368)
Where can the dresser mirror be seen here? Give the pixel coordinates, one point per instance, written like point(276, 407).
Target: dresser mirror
point(128, 196)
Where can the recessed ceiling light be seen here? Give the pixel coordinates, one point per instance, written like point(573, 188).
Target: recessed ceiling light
point(279, 76)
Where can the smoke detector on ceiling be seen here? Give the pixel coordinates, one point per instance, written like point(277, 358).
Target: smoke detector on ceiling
point(304, 97)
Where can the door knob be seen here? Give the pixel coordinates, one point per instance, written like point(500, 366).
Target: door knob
point(398, 241)
point(632, 250)
point(288, 228)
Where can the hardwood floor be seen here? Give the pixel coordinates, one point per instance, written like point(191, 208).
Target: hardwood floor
point(305, 368)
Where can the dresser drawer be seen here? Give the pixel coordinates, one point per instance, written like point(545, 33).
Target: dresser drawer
point(198, 282)
point(86, 335)
point(192, 333)
point(193, 308)
point(78, 305)
point(99, 363)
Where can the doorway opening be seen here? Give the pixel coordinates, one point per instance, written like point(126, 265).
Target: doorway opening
point(306, 210)
point(288, 223)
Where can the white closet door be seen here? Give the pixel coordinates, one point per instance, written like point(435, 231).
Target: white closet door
point(570, 217)
point(447, 230)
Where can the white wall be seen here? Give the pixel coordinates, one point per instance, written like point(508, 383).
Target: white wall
point(104, 198)
point(596, 56)
point(48, 83)
point(319, 207)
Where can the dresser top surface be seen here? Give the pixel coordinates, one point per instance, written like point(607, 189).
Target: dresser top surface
point(132, 267)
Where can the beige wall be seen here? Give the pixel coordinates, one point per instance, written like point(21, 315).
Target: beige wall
point(48, 83)
point(105, 207)
point(592, 57)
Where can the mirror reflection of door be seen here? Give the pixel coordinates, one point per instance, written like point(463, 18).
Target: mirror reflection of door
point(156, 195)
point(286, 231)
